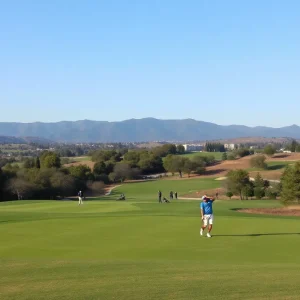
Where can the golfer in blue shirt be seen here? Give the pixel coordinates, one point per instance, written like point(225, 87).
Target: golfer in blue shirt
point(207, 214)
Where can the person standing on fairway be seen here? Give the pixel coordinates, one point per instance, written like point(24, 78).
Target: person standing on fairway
point(206, 214)
point(80, 196)
point(159, 196)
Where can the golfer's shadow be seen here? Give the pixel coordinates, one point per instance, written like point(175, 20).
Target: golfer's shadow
point(256, 234)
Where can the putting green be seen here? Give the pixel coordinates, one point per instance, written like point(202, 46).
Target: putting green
point(140, 249)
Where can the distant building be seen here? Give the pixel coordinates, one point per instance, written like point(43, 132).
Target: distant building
point(230, 146)
point(193, 147)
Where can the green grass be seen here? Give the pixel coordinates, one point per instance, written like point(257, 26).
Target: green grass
point(140, 249)
point(78, 158)
point(274, 165)
point(217, 155)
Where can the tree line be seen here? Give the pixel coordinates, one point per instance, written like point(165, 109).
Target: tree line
point(214, 147)
point(45, 178)
point(238, 183)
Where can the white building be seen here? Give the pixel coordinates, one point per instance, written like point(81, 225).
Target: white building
point(193, 147)
point(230, 146)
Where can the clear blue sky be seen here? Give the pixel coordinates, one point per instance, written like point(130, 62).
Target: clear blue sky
point(228, 62)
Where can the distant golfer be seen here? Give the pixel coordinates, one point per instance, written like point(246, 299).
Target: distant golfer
point(159, 196)
point(80, 197)
point(207, 214)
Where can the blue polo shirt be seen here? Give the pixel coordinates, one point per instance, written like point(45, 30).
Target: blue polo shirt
point(207, 207)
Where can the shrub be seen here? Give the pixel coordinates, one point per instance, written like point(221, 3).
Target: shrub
point(258, 162)
point(229, 194)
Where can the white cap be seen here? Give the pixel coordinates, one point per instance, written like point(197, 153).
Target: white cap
point(203, 197)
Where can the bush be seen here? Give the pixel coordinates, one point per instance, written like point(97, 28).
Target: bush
point(231, 156)
point(102, 177)
point(259, 192)
point(269, 150)
point(229, 194)
point(242, 152)
point(258, 162)
point(200, 170)
point(271, 193)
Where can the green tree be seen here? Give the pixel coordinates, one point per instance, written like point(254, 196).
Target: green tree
point(81, 172)
point(173, 163)
point(258, 161)
point(149, 163)
point(236, 181)
point(290, 182)
point(242, 152)
point(229, 194)
point(294, 145)
point(37, 163)
point(168, 164)
point(122, 171)
point(271, 193)
point(199, 163)
point(29, 163)
point(224, 156)
point(259, 186)
point(50, 160)
point(189, 166)
point(62, 185)
point(178, 164)
point(269, 150)
point(132, 158)
point(106, 155)
point(180, 149)
point(248, 190)
point(99, 168)
point(231, 156)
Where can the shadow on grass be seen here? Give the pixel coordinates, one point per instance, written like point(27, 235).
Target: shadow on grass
point(276, 167)
point(281, 156)
point(214, 172)
point(256, 234)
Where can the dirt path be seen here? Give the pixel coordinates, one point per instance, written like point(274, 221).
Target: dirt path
point(108, 190)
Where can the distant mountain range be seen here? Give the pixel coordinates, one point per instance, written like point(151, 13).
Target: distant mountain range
point(140, 130)
point(23, 140)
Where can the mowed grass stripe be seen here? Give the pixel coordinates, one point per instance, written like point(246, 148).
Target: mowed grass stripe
point(140, 249)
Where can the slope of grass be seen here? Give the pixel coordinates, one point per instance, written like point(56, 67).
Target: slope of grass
point(79, 158)
point(274, 166)
point(217, 155)
point(140, 249)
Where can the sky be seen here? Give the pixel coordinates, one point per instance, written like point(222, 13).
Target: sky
point(226, 62)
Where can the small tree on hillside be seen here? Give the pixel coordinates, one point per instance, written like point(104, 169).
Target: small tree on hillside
point(259, 187)
point(37, 163)
point(258, 161)
point(231, 156)
point(189, 166)
point(99, 168)
point(229, 194)
point(290, 182)
point(236, 181)
point(248, 191)
point(269, 150)
point(224, 156)
point(180, 149)
point(122, 171)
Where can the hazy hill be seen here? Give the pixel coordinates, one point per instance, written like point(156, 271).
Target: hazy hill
point(23, 140)
point(137, 130)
